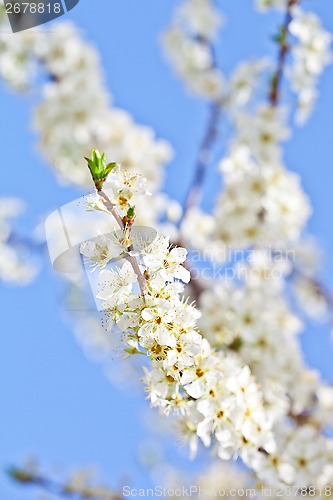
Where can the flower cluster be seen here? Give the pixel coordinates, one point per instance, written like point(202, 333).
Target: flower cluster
point(243, 83)
point(266, 339)
point(16, 65)
point(263, 206)
point(311, 54)
point(263, 203)
point(232, 374)
point(234, 320)
point(217, 397)
point(310, 50)
point(75, 113)
point(188, 43)
point(259, 206)
point(303, 458)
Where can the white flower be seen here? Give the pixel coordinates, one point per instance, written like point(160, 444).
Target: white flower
point(311, 54)
point(157, 325)
point(301, 458)
point(116, 285)
point(237, 163)
point(154, 254)
point(172, 266)
point(122, 187)
point(187, 43)
point(94, 202)
point(263, 132)
point(105, 248)
point(199, 379)
point(217, 413)
point(89, 249)
point(260, 205)
point(182, 355)
point(160, 387)
point(306, 101)
point(157, 257)
point(201, 17)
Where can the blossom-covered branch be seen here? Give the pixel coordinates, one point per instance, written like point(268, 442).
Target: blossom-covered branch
point(233, 374)
point(76, 487)
point(283, 43)
point(214, 394)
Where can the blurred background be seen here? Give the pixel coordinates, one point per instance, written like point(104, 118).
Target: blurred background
point(55, 405)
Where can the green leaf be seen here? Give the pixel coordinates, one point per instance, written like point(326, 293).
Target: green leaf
point(98, 167)
point(131, 212)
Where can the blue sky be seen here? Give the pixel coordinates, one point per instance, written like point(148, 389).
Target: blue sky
point(55, 404)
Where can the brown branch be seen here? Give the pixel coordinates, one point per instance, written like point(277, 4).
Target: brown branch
point(282, 39)
point(305, 419)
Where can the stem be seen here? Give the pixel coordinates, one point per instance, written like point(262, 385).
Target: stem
point(141, 279)
point(277, 77)
point(112, 208)
point(195, 286)
point(202, 162)
point(204, 157)
point(194, 192)
point(204, 154)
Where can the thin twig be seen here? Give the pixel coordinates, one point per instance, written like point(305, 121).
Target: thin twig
point(26, 477)
point(205, 151)
point(204, 157)
point(112, 208)
point(277, 77)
